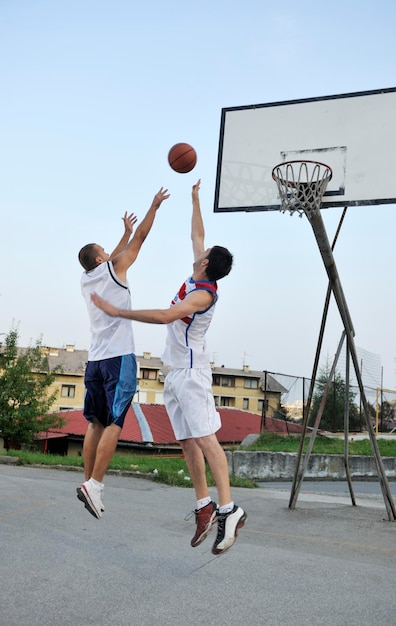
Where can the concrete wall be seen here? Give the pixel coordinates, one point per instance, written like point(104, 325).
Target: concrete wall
point(267, 466)
point(262, 466)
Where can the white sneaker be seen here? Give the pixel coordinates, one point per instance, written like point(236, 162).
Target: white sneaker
point(101, 494)
point(228, 525)
point(90, 494)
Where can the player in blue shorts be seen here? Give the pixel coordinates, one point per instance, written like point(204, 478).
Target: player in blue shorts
point(188, 393)
point(110, 377)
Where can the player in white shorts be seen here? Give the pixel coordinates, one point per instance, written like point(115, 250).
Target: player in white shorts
point(188, 386)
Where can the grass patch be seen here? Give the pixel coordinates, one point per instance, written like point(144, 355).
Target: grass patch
point(167, 470)
point(38, 458)
point(173, 470)
point(273, 442)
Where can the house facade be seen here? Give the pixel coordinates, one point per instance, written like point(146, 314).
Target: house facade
point(69, 384)
point(243, 396)
point(245, 389)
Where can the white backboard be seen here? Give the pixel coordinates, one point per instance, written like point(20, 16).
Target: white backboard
point(354, 133)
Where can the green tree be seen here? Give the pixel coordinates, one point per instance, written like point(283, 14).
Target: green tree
point(386, 416)
point(333, 414)
point(24, 392)
point(280, 412)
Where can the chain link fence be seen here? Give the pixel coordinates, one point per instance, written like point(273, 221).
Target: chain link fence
point(382, 401)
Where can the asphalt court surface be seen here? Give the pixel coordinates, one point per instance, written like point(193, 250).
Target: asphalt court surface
point(326, 562)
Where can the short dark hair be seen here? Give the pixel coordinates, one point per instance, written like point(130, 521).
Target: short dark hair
point(87, 256)
point(220, 263)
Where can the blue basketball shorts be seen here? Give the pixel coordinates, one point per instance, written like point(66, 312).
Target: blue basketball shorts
point(110, 385)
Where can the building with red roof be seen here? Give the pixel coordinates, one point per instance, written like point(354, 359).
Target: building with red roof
point(148, 426)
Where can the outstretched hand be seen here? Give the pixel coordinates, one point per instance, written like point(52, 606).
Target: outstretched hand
point(129, 222)
point(195, 189)
point(104, 305)
point(160, 196)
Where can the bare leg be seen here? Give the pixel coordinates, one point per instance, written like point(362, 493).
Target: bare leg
point(196, 466)
point(217, 462)
point(91, 441)
point(105, 450)
point(195, 451)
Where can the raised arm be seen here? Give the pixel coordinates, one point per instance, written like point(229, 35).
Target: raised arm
point(197, 301)
point(129, 222)
point(197, 226)
point(126, 257)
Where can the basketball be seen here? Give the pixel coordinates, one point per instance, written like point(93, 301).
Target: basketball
point(182, 158)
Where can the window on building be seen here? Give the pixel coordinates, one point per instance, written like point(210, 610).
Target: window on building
point(260, 405)
point(223, 381)
point(147, 374)
point(68, 391)
point(245, 404)
point(251, 383)
point(226, 401)
point(140, 396)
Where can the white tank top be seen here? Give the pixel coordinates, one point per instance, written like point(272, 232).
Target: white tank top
point(186, 343)
point(110, 336)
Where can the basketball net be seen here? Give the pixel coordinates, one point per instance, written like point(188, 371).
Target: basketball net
point(301, 185)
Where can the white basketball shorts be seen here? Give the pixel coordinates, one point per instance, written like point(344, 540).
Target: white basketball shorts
point(190, 404)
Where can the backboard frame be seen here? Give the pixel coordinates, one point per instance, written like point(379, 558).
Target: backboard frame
point(353, 133)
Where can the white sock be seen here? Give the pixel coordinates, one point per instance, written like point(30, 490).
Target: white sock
point(203, 502)
point(94, 482)
point(226, 508)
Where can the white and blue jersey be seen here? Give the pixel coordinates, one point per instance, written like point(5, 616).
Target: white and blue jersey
point(110, 336)
point(186, 342)
point(110, 375)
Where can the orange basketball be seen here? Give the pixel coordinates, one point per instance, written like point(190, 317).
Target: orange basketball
point(182, 158)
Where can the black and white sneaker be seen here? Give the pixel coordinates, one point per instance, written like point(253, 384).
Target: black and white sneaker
point(228, 525)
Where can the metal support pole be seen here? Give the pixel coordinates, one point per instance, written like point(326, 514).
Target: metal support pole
point(346, 427)
point(318, 417)
point(297, 478)
point(382, 399)
point(316, 222)
point(264, 409)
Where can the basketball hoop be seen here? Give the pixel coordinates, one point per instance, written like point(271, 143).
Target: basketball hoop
point(301, 185)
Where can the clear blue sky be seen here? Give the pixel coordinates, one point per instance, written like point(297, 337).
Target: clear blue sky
point(94, 94)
